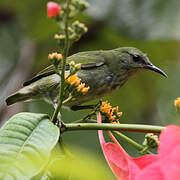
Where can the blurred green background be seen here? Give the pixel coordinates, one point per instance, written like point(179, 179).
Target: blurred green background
point(26, 38)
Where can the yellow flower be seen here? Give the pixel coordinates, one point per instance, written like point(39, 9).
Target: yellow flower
point(177, 102)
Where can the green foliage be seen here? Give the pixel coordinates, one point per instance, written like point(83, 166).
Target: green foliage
point(82, 165)
point(26, 142)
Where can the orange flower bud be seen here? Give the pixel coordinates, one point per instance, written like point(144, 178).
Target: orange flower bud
point(119, 114)
point(116, 108)
point(81, 87)
point(77, 82)
point(109, 114)
point(50, 56)
point(78, 66)
point(112, 118)
point(85, 90)
point(59, 56)
point(115, 122)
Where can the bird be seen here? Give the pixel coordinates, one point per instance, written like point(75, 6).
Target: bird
point(104, 71)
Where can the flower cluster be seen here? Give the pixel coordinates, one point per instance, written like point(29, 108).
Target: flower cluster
point(55, 55)
point(75, 84)
point(110, 113)
point(55, 58)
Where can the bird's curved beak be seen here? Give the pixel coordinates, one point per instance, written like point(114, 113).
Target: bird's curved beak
point(155, 69)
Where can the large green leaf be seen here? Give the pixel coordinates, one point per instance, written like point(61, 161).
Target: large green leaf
point(26, 141)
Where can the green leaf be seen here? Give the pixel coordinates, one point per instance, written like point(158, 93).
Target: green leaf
point(26, 141)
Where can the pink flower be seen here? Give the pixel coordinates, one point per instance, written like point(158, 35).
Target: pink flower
point(53, 9)
point(163, 166)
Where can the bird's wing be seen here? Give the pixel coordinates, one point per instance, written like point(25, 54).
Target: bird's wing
point(88, 60)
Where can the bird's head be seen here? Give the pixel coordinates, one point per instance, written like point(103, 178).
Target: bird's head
point(134, 60)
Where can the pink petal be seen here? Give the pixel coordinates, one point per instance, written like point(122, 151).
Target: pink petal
point(119, 161)
point(169, 139)
point(169, 152)
point(146, 160)
point(151, 172)
point(53, 9)
point(170, 164)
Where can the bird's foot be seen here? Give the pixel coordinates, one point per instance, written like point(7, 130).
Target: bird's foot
point(77, 108)
point(92, 106)
point(95, 108)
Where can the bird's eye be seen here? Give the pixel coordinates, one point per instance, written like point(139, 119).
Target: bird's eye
point(136, 58)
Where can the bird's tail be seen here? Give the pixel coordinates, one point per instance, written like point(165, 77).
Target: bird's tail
point(17, 97)
point(23, 94)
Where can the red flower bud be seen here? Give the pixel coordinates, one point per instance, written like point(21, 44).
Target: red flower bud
point(53, 9)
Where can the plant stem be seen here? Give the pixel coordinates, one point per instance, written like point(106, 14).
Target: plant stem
point(112, 127)
point(68, 99)
point(65, 54)
point(132, 142)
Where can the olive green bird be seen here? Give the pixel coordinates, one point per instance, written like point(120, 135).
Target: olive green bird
point(104, 71)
